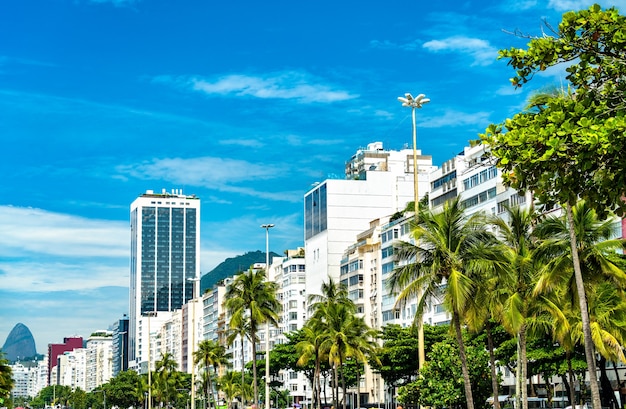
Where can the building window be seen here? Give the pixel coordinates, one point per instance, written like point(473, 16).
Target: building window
point(502, 206)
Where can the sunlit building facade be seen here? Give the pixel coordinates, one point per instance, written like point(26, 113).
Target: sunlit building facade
point(165, 256)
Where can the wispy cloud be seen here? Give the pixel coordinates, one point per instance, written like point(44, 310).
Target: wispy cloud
point(389, 45)
point(221, 174)
point(455, 119)
point(481, 51)
point(117, 3)
point(28, 230)
point(73, 275)
point(293, 85)
point(566, 5)
point(204, 171)
point(47, 251)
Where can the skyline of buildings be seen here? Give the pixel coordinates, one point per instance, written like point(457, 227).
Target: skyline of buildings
point(349, 231)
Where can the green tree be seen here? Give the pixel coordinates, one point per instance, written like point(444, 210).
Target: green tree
point(6, 380)
point(512, 286)
point(600, 266)
point(121, 389)
point(450, 249)
point(167, 380)
point(210, 354)
point(251, 301)
point(230, 386)
point(397, 355)
point(329, 310)
point(241, 332)
point(442, 383)
point(310, 347)
point(572, 146)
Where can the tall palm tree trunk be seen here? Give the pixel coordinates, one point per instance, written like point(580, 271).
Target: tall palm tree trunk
point(519, 385)
point(254, 380)
point(466, 378)
point(243, 379)
point(317, 382)
point(524, 365)
point(358, 388)
point(336, 387)
point(570, 372)
point(343, 383)
point(584, 314)
point(492, 363)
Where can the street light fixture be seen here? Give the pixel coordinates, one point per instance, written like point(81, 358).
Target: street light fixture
point(267, 228)
point(413, 103)
point(193, 340)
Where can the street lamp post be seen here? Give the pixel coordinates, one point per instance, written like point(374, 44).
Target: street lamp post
point(267, 228)
point(193, 340)
point(413, 103)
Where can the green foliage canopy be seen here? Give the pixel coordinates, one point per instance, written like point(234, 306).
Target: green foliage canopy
point(571, 145)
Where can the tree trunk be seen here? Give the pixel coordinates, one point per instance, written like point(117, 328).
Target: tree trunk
point(317, 384)
point(254, 380)
point(572, 387)
point(518, 376)
point(243, 379)
point(608, 395)
point(343, 382)
point(358, 388)
point(524, 365)
point(492, 361)
point(466, 378)
point(584, 313)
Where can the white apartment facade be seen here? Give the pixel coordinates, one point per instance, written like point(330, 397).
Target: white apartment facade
point(99, 359)
point(290, 274)
point(378, 183)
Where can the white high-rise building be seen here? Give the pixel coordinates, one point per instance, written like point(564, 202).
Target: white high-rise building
point(165, 256)
point(99, 355)
point(72, 369)
point(290, 274)
point(379, 183)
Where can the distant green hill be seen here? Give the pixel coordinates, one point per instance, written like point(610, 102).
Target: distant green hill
point(232, 266)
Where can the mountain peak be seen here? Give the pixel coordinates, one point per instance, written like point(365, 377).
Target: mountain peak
point(19, 344)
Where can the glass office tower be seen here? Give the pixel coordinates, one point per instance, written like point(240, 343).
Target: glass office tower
point(165, 255)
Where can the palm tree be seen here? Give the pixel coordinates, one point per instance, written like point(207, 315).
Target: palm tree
point(240, 332)
point(6, 378)
point(514, 283)
point(228, 385)
point(311, 347)
point(165, 378)
point(450, 248)
point(333, 309)
point(251, 300)
point(584, 255)
point(211, 355)
point(361, 345)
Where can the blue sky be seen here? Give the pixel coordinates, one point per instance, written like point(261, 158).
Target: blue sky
point(244, 103)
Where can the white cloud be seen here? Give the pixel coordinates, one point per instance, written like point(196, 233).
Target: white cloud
point(204, 171)
point(567, 5)
point(118, 3)
point(456, 118)
point(508, 90)
point(388, 45)
point(482, 52)
point(28, 230)
point(69, 275)
point(292, 85)
point(221, 174)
